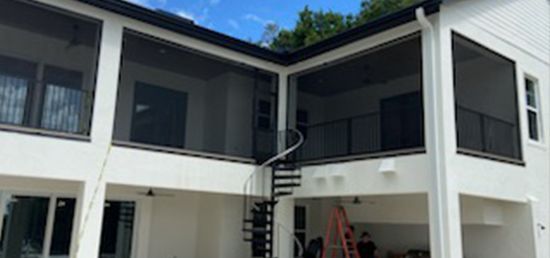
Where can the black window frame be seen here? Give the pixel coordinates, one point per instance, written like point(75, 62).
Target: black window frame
point(361, 156)
point(256, 157)
point(475, 153)
point(36, 102)
point(179, 140)
point(533, 110)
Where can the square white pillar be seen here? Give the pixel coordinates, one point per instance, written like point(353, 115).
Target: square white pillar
point(283, 244)
point(107, 82)
point(88, 220)
point(444, 200)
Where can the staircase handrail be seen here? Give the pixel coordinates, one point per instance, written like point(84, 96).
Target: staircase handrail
point(294, 238)
point(278, 156)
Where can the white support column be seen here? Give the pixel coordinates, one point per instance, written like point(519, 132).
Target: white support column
point(89, 213)
point(91, 198)
point(444, 200)
point(107, 83)
point(284, 229)
point(283, 101)
point(3, 200)
point(48, 233)
point(143, 227)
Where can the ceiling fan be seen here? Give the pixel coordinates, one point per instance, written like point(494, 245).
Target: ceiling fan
point(75, 39)
point(357, 201)
point(151, 193)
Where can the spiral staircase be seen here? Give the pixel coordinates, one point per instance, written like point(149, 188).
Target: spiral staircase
point(276, 177)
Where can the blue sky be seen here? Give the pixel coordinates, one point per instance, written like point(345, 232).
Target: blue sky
point(245, 19)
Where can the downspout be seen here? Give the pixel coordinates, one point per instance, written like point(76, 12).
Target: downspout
point(436, 147)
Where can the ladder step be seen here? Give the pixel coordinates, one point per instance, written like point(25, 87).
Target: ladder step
point(279, 194)
point(266, 203)
point(283, 185)
point(257, 241)
point(263, 249)
point(264, 221)
point(255, 211)
point(258, 230)
point(287, 177)
point(285, 161)
point(286, 168)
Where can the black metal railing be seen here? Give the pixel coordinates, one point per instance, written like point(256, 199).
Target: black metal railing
point(54, 108)
point(363, 134)
point(488, 134)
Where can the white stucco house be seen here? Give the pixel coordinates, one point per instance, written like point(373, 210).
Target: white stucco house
point(127, 132)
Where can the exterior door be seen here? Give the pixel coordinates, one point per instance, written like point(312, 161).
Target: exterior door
point(401, 122)
point(159, 116)
point(117, 232)
point(35, 227)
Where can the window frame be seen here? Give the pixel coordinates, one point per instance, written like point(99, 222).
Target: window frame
point(303, 230)
point(36, 93)
point(517, 95)
point(535, 109)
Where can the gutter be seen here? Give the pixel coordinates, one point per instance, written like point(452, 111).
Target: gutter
point(185, 27)
point(438, 196)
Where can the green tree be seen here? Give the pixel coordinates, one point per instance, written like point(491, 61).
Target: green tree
point(372, 9)
point(314, 26)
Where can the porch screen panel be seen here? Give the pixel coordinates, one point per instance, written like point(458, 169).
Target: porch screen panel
point(24, 227)
point(16, 77)
point(361, 105)
point(486, 100)
point(47, 67)
point(229, 110)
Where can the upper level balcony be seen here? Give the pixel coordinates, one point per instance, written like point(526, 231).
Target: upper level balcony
point(176, 99)
point(47, 69)
point(366, 105)
point(486, 102)
point(172, 98)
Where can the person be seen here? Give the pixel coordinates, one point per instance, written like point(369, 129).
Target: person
point(314, 248)
point(349, 235)
point(366, 247)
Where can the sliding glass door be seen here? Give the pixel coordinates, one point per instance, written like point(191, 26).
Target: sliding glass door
point(34, 227)
point(118, 228)
point(42, 227)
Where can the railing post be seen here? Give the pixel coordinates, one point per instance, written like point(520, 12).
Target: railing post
point(482, 128)
point(349, 132)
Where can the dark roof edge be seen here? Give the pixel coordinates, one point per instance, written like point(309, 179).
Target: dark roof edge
point(187, 28)
point(368, 29)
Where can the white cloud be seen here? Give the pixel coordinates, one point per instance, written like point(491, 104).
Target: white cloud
point(140, 2)
point(201, 17)
point(149, 3)
point(257, 19)
point(234, 24)
point(186, 15)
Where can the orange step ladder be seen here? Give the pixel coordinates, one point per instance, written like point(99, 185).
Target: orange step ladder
point(343, 238)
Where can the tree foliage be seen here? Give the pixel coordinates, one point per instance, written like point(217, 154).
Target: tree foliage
point(314, 26)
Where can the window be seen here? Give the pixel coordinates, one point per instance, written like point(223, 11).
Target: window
point(62, 227)
point(533, 112)
point(63, 100)
point(361, 104)
point(300, 221)
point(24, 226)
point(117, 231)
point(47, 67)
point(265, 115)
point(159, 116)
point(205, 104)
point(487, 114)
point(302, 121)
